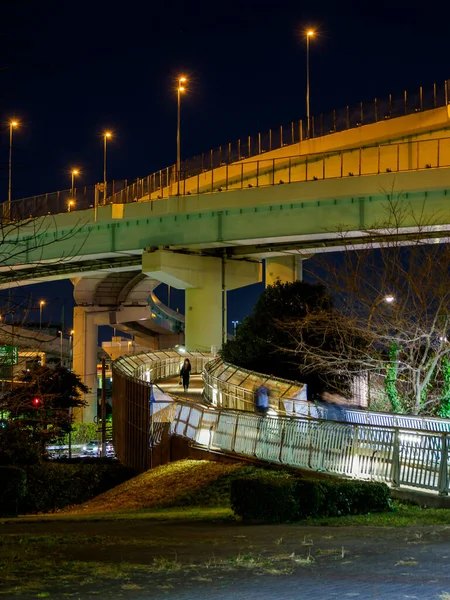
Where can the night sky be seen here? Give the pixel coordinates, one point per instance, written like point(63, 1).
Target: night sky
point(70, 70)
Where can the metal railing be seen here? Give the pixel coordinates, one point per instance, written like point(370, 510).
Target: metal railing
point(228, 386)
point(133, 377)
point(348, 117)
point(58, 202)
point(220, 169)
point(398, 455)
point(367, 160)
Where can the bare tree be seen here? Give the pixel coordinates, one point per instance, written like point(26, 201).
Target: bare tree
point(391, 312)
point(23, 243)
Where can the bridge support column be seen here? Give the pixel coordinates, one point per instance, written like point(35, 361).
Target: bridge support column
point(286, 269)
point(206, 280)
point(85, 344)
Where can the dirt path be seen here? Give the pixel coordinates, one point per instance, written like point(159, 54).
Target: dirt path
point(147, 559)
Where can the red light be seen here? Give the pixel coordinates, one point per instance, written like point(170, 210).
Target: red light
point(36, 401)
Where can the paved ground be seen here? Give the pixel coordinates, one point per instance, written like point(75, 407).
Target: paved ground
point(145, 559)
point(172, 386)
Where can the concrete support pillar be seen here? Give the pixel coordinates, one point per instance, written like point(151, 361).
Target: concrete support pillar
point(206, 280)
point(287, 269)
point(85, 344)
point(203, 309)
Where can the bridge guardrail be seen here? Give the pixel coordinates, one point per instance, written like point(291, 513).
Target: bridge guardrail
point(132, 380)
point(363, 113)
point(348, 117)
point(228, 386)
point(367, 160)
point(400, 456)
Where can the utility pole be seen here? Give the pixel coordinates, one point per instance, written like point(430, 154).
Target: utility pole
point(103, 406)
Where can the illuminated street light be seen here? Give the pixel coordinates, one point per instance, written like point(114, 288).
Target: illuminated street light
point(12, 125)
point(309, 34)
point(70, 204)
point(61, 348)
point(41, 305)
point(389, 299)
point(180, 89)
point(73, 173)
point(106, 136)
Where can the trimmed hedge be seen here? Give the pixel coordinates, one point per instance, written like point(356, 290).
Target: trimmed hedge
point(333, 498)
point(12, 490)
point(52, 486)
point(281, 497)
point(267, 497)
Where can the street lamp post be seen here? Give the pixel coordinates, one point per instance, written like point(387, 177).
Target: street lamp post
point(60, 348)
point(309, 34)
point(73, 173)
point(180, 89)
point(12, 125)
point(389, 299)
point(41, 305)
point(106, 136)
point(71, 350)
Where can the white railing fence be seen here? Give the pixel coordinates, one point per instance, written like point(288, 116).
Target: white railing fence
point(289, 398)
point(404, 451)
point(399, 457)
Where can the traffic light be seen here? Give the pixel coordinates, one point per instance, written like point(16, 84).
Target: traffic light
point(36, 401)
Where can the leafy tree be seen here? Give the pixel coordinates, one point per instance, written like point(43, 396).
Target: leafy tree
point(38, 410)
point(263, 343)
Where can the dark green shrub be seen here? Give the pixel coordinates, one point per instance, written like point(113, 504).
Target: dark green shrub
point(371, 497)
point(280, 497)
point(52, 486)
point(267, 497)
point(333, 498)
point(310, 496)
point(12, 490)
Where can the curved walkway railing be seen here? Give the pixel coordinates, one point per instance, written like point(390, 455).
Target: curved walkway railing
point(133, 377)
point(227, 386)
point(400, 456)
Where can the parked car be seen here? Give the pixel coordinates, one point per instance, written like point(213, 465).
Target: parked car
point(94, 448)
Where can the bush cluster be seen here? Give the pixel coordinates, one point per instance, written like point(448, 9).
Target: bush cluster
point(12, 490)
point(280, 497)
point(52, 486)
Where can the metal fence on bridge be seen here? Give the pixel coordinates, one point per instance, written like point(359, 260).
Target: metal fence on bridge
point(133, 377)
point(368, 160)
point(348, 117)
point(398, 455)
point(219, 168)
point(228, 386)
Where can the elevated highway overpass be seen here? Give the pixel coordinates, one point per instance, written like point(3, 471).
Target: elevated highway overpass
point(279, 205)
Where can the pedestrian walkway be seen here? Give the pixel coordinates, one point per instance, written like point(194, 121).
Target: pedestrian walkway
point(173, 388)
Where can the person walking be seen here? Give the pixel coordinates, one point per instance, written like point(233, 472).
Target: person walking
point(262, 399)
point(185, 374)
